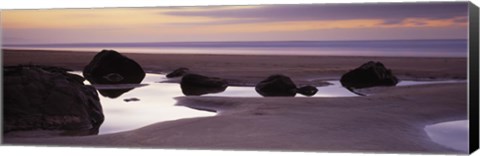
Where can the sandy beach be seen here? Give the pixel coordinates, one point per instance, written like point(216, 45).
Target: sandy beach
point(252, 69)
point(390, 120)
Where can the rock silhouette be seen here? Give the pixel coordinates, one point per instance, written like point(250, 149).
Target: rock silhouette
point(49, 98)
point(281, 85)
point(111, 67)
point(194, 84)
point(276, 85)
point(307, 90)
point(367, 75)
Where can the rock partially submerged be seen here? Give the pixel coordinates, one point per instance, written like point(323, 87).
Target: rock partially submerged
point(281, 85)
point(370, 74)
point(111, 67)
point(178, 72)
point(49, 98)
point(307, 90)
point(276, 85)
point(194, 84)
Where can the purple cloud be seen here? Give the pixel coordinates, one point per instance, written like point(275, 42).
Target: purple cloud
point(390, 12)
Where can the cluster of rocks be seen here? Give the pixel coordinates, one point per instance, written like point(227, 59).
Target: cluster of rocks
point(370, 74)
point(275, 85)
point(50, 98)
point(281, 85)
point(44, 97)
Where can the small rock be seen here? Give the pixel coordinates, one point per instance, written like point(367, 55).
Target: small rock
point(131, 99)
point(178, 72)
point(307, 90)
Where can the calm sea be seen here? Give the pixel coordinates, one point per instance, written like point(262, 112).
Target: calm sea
point(407, 48)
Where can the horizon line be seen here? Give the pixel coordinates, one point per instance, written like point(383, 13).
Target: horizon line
point(98, 43)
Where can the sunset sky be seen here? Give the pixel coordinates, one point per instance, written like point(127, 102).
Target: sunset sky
point(317, 22)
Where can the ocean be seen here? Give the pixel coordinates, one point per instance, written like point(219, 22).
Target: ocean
point(398, 48)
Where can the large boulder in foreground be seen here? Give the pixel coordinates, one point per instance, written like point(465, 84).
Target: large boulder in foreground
point(178, 72)
point(49, 98)
point(367, 75)
point(276, 85)
point(111, 67)
point(194, 84)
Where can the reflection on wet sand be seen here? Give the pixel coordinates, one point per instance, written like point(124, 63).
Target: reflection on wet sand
point(155, 101)
point(452, 134)
point(115, 91)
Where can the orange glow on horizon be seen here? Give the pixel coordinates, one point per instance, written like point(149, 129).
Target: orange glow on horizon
point(92, 18)
point(156, 24)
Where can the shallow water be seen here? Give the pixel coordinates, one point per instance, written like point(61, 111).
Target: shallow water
point(452, 134)
point(156, 101)
point(334, 90)
point(156, 104)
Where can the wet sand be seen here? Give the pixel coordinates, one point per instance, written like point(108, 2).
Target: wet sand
point(252, 69)
point(391, 120)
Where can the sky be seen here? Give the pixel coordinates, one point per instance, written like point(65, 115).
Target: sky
point(314, 22)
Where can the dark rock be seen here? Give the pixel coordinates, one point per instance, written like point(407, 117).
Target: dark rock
point(307, 90)
point(178, 72)
point(276, 85)
point(194, 84)
point(111, 67)
point(131, 99)
point(113, 93)
point(369, 74)
point(49, 98)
